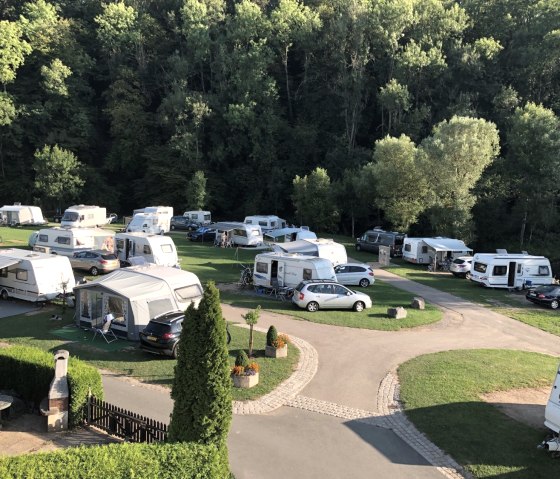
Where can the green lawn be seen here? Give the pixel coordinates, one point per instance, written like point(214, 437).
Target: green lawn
point(37, 330)
point(441, 394)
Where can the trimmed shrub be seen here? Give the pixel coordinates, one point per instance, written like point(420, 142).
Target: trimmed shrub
point(271, 336)
point(242, 359)
point(29, 371)
point(121, 461)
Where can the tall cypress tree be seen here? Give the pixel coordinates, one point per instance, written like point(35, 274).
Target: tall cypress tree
point(202, 385)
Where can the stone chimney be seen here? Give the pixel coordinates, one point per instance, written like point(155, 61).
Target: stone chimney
point(57, 414)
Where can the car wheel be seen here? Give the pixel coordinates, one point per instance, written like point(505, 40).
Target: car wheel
point(312, 306)
point(175, 351)
point(554, 304)
point(358, 247)
point(172, 227)
point(4, 295)
point(94, 271)
point(364, 283)
point(467, 275)
point(359, 306)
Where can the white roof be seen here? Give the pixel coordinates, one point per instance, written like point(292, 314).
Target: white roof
point(305, 245)
point(292, 256)
point(446, 244)
point(284, 231)
point(231, 225)
point(17, 255)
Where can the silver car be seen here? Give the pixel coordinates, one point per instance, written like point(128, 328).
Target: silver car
point(359, 274)
point(97, 261)
point(461, 266)
point(319, 294)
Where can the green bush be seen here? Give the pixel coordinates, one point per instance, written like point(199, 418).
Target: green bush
point(29, 371)
point(242, 359)
point(116, 461)
point(271, 336)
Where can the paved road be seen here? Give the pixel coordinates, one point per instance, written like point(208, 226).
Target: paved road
point(352, 364)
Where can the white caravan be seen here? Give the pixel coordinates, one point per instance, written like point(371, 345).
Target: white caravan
point(288, 270)
point(266, 222)
point(239, 234)
point(156, 249)
point(67, 241)
point(505, 270)
point(34, 276)
point(16, 214)
point(84, 216)
point(200, 217)
point(426, 250)
point(321, 247)
point(153, 219)
point(552, 416)
point(289, 234)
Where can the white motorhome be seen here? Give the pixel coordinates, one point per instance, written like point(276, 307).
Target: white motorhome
point(552, 415)
point(239, 234)
point(67, 241)
point(266, 222)
point(288, 270)
point(426, 250)
point(16, 214)
point(153, 219)
point(503, 270)
point(34, 276)
point(156, 249)
point(84, 216)
point(200, 217)
point(321, 247)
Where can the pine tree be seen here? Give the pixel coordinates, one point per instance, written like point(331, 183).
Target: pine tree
point(202, 385)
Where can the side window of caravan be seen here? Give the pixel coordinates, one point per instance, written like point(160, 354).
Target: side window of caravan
point(499, 270)
point(424, 249)
point(263, 223)
point(21, 274)
point(43, 238)
point(408, 248)
point(4, 273)
point(240, 232)
point(480, 267)
point(306, 273)
point(255, 232)
point(167, 248)
point(262, 267)
point(62, 240)
point(519, 268)
point(543, 271)
point(147, 249)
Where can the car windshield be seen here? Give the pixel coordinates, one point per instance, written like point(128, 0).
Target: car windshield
point(546, 289)
point(299, 287)
point(458, 261)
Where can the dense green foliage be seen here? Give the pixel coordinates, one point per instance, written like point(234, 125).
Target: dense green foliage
point(29, 371)
point(242, 359)
point(120, 461)
point(282, 105)
point(271, 335)
point(202, 385)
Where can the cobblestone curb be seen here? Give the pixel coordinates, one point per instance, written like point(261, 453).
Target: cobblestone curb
point(286, 391)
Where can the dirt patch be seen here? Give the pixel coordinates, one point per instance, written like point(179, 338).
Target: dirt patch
point(523, 405)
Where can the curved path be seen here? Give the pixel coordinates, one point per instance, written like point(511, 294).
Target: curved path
point(345, 422)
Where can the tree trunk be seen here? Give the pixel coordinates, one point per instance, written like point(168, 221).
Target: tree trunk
point(288, 94)
point(523, 226)
point(250, 340)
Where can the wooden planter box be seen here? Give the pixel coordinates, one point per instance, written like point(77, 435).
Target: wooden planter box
point(272, 352)
point(245, 381)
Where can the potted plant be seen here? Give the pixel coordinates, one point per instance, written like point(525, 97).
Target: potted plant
point(276, 344)
point(244, 374)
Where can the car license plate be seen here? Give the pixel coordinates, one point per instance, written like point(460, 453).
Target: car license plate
point(532, 294)
point(151, 338)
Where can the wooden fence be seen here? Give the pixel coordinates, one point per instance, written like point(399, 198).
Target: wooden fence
point(125, 424)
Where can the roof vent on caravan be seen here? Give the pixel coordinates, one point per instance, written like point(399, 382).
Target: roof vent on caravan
point(501, 251)
point(524, 252)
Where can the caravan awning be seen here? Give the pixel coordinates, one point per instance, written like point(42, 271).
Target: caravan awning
point(282, 232)
point(224, 226)
point(299, 246)
point(446, 244)
point(5, 262)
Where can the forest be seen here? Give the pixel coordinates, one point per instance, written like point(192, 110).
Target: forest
point(431, 117)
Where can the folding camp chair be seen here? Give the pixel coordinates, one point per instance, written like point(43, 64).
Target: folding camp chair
point(105, 331)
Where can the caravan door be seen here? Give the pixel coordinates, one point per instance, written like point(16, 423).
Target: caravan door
point(511, 274)
point(552, 411)
point(277, 273)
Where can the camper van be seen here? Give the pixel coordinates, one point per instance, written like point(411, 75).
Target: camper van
point(425, 250)
point(239, 234)
point(266, 222)
point(199, 217)
point(288, 270)
point(372, 239)
point(552, 415)
point(153, 219)
point(155, 249)
point(505, 270)
point(67, 241)
point(34, 276)
point(17, 214)
point(84, 216)
point(320, 247)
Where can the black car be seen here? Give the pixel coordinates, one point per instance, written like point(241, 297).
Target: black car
point(548, 295)
point(202, 234)
point(372, 239)
point(161, 335)
point(182, 223)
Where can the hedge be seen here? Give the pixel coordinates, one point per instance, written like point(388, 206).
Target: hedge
point(116, 461)
point(29, 371)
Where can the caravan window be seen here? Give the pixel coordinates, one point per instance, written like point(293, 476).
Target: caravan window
point(206, 217)
point(62, 240)
point(147, 249)
point(21, 274)
point(307, 274)
point(543, 271)
point(262, 267)
point(189, 293)
point(239, 232)
point(424, 249)
point(499, 270)
point(407, 247)
point(167, 248)
point(255, 232)
point(4, 273)
point(43, 238)
point(263, 223)
point(480, 267)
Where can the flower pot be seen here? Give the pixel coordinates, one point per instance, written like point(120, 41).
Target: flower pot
point(272, 352)
point(245, 381)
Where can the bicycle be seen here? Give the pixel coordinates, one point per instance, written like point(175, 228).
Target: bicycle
point(246, 277)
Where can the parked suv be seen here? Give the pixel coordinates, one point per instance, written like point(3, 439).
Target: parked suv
point(372, 239)
point(359, 274)
point(161, 335)
point(182, 223)
point(323, 294)
point(461, 266)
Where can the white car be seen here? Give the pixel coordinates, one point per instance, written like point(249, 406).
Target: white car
point(324, 294)
point(359, 274)
point(461, 266)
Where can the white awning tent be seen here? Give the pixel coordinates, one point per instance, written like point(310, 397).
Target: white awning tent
point(299, 233)
point(447, 244)
point(21, 215)
point(7, 262)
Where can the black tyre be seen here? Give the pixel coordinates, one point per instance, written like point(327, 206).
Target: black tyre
point(358, 247)
point(554, 304)
point(312, 306)
point(172, 227)
point(175, 351)
point(359, 306)
point(94, 271)
point(4, 295)
point(364, 283)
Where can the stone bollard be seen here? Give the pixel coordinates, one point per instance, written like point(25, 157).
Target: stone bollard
point(57, 412)
point(397, 313)
point(418, 303)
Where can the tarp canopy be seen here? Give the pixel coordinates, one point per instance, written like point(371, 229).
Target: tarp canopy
point(5, 262)
point(446, 244)
point(225, 226)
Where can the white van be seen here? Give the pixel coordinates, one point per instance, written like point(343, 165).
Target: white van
point(154, 249)
point(84, 216)
point(16, 214)
point(426, 250)
point(200, 217)
point(266, 222)
point(153, 219)
point(288, 270)
point(67, 241)
point(34, 276)
point(239, 234)
point(517, 271)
